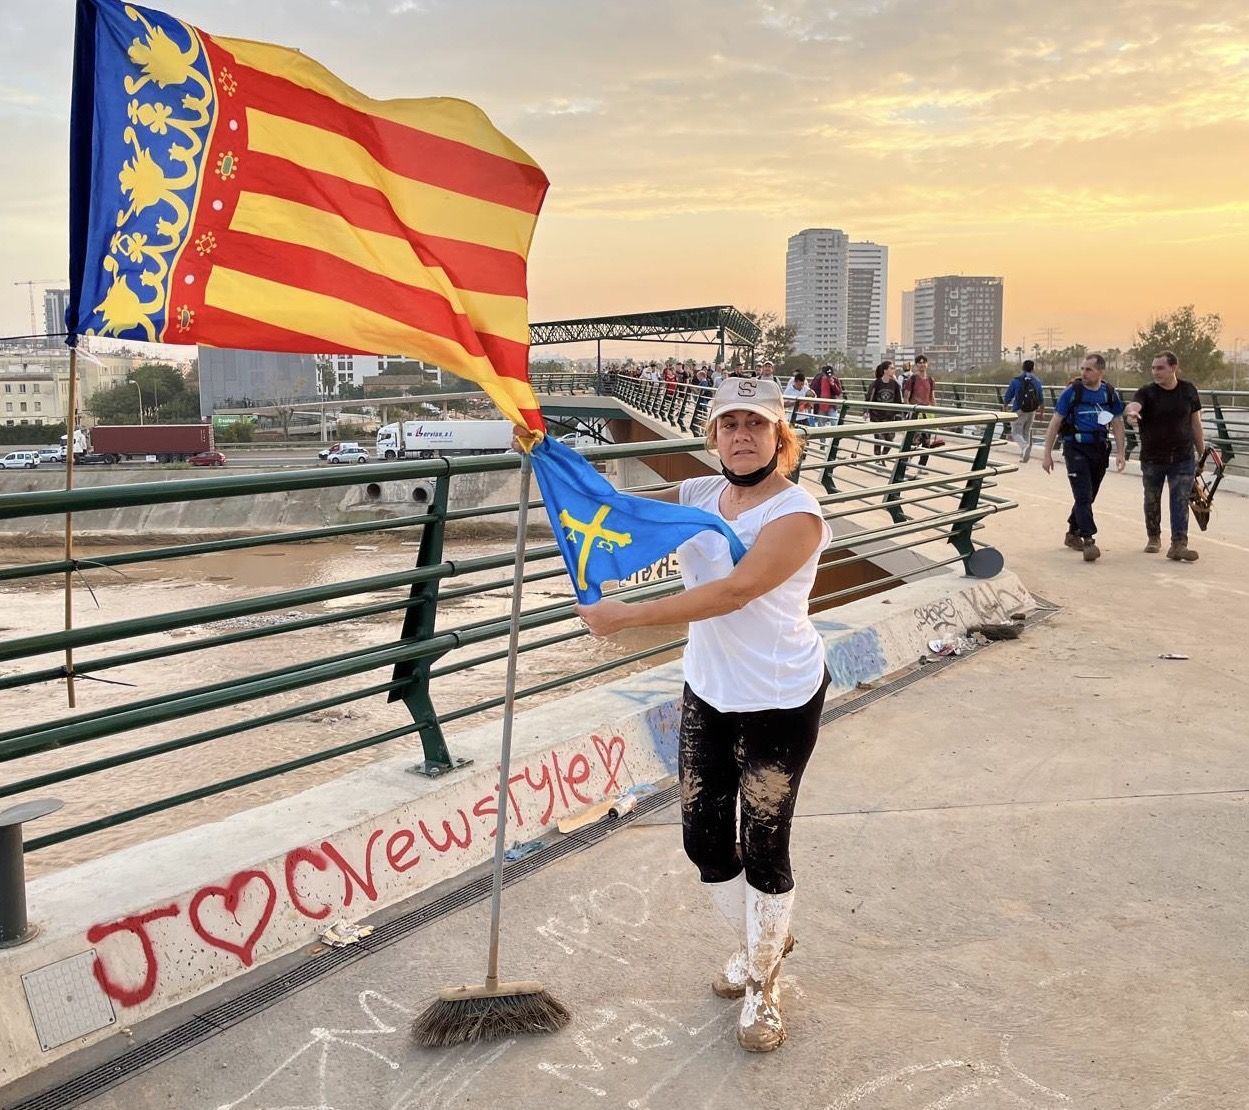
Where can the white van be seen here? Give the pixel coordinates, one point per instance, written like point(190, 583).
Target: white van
point(16, 460)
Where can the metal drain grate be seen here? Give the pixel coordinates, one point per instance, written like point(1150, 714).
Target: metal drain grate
point(200, 1028)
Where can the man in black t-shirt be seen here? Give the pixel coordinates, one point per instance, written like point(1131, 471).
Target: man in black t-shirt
point(1168, 416)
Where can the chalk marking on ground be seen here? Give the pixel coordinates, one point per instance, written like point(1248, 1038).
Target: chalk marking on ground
point(674, 1072)
point(1040, 1088)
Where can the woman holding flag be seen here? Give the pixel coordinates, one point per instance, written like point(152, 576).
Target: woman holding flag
point(755, 682)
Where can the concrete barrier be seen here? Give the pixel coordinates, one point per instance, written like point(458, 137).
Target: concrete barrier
point(131, 934)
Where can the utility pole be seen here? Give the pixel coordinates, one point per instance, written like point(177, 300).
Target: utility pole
point(34, 327)
point(1052, 336)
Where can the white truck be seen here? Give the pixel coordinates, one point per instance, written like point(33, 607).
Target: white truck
point(423, 439)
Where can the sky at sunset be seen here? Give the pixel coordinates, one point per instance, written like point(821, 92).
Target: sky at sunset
point(1094, 154)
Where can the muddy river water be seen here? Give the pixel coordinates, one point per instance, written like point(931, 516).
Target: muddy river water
point(102, 596)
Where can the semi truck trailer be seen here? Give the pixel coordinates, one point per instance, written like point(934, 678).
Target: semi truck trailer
point(423, 439)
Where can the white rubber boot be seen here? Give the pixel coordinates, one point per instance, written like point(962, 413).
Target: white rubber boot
point(760, 1029)
point(730, 899)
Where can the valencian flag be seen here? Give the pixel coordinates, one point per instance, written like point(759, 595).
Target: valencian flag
point(238, 194)
point(607, 535)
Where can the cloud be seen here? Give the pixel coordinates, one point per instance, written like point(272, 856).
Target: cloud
point(972, 133)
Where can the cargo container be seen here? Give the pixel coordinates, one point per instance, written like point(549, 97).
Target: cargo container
point(166, 442)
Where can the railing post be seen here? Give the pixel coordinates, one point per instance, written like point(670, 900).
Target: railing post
point(827, 476)
point(1001, 402)
point(899, 475)
point(685, 404)
point(418, 624)
point(960, 534)
point(15, 929)
point(1220, 426)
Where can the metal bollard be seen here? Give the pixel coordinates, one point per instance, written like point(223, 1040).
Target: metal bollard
point(14, 928)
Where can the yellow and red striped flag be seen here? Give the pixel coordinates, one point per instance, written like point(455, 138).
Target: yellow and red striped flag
point(237, 194)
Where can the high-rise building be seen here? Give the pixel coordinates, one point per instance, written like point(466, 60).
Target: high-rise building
point(866, 291)
point(230, 377)
point(908, 318)
point(55, 301)
point(959, 314)
point(817, 273)
point(836, 293)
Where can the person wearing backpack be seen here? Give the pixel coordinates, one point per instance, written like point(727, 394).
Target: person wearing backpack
point(1087, 414)
point(1025, 398)
point(887, 390)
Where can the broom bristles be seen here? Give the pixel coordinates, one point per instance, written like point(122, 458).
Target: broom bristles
point(451, 1021)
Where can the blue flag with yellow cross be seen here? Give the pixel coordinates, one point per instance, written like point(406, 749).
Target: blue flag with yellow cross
point(605, 535)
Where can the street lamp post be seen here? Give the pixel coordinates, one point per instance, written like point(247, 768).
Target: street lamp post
point(140, 389)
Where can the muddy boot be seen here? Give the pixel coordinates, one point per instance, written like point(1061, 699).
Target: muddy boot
point(730, 899)
point(1181, 552)
point(1073, 540)
point(1153, 545)
point(1091, 551)
point(759, 1028)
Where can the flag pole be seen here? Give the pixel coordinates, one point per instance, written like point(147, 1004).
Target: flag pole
point(496, 1010)
point(70, 428)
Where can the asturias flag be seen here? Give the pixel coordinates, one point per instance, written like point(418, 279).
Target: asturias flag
point(605, 535)
point(238, 194)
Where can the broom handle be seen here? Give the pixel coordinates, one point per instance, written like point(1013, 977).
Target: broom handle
point(509, 699)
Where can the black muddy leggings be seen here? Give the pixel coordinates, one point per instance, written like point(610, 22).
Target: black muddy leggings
point(758, 756)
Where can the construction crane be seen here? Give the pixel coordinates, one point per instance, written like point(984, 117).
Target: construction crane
point(34, 327)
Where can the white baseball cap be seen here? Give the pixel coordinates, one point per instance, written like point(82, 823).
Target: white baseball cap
point(761, 395)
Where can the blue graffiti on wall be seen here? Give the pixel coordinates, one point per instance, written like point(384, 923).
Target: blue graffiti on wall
point(855, 658)
point(664, 724)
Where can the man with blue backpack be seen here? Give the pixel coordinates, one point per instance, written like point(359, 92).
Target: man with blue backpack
point(1087, 414)
point(1025, 399)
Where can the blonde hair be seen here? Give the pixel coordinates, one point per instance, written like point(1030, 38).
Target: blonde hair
point(789, 445)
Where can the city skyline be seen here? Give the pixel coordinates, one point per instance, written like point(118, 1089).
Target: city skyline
point(1057, 148)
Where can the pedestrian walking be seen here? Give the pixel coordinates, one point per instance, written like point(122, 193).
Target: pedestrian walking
point(1167, 413)
point(755, 678)
point(1087, 415)
point(1025, 398)
point(826, 385)
point(920, 390)
point(796, 394)
point(884, 389)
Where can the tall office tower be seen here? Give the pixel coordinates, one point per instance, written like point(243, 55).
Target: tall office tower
point(961, 314)
point(817, 271)
point(908, 318)
point(866, 316)
point(55, 302)
point(229, 377)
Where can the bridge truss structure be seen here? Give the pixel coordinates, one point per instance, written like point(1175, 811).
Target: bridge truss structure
point(716, 326)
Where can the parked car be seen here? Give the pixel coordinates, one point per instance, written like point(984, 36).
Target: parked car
point(208, 458)
point(348, 454)
point(17, 460)
point(52, 454)
point(326, 452)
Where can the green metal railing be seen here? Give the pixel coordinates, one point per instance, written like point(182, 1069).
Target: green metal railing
point(1225, 412)
point(916, 495)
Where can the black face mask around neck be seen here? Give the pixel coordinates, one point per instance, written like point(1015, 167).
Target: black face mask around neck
point(754, 477)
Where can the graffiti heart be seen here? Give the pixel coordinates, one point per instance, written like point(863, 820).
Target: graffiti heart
point(261, 910)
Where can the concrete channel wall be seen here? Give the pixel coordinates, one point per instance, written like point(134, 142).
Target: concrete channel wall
point(124, 937)
point(265, 512)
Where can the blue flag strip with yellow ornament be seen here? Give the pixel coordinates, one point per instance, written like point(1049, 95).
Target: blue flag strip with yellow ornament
point(605, 535)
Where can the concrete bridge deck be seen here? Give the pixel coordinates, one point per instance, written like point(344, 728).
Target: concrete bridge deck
point(1021, 885)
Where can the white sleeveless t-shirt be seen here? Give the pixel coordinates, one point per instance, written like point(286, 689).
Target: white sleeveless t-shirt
point(766, 655)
